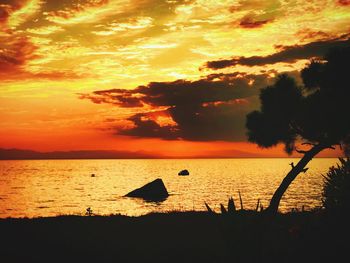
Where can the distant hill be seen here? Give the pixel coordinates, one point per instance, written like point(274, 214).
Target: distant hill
point(16, 154)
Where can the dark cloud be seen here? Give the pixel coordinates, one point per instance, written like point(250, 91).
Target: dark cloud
point(7, 7)
point(344, 2)
point(144, 126)
point(212, 108)
point(4, 14)
point(15, 51)
point(209, 122)
point(288, 54)
point(249, 22)
point(214, 121)
point(252, 20)
point(259, 12)
point(309, 34)
point(122, 98)
point(213, 88)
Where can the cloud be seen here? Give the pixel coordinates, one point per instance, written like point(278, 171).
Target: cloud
point(15, 51)
point(45, 30)
point(19, 11)
point(288, 54)
point(219, 87)
point(21, 49)
point(210, 109)
point(88, 12)
point(309, 34)
point(250, 21)
point(258, 13)
point(130, 27)
point(7, 8)
point(93, 11)
point(4, 13)
point(344, 2)
point(267, 6)
point(145, 127)
point(223, 121)
point(117, 97)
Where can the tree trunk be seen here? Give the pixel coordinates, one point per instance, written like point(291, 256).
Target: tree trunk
point(297, 169)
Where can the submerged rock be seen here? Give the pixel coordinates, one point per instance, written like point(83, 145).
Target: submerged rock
point(184, 172)
point(153, 191)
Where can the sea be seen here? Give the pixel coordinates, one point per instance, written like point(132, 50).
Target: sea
point(41, 188)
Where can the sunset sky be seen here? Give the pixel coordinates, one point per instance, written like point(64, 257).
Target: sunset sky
point(174, 78)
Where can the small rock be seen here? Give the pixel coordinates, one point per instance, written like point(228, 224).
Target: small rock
point(184, 172)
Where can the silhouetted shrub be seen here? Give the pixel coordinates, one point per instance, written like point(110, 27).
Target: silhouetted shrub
point(336, 189)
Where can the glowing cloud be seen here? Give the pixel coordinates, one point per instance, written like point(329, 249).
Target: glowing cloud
point(24, 10)
point(103, 49)
point(89, 12)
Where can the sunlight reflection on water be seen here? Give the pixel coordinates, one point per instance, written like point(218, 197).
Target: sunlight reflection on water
point(53, 187)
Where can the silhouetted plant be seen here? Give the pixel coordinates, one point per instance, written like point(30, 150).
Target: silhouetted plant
point(209, 209)
point(336, 189)
point(231, 205)
point(231, 208)
point(315, 115)
point(89, 211)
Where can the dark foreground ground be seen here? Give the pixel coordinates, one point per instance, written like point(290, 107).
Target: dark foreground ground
point(177, 237)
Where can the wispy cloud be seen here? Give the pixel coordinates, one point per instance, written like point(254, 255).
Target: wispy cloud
point(130, 27)
point(22, 10)
point(46, 30)
point(91, 11)
point(287, 54)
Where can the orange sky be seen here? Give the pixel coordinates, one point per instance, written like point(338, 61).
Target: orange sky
point(57, 56)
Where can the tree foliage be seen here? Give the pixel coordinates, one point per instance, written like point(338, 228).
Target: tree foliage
point(317, 112)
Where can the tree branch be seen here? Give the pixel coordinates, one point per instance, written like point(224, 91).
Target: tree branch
point(305, 169)
point(301, 151)
point(313, 145)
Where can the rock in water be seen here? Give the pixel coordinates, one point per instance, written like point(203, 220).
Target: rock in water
point(153, 191)
point(184, 172)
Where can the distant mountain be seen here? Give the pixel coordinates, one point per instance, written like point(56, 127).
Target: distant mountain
point(16, 154)
point(230, 154)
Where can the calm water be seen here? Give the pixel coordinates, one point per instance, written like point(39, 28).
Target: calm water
point(54, 187)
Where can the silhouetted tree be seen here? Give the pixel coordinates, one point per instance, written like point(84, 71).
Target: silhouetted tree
point(316, 115)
